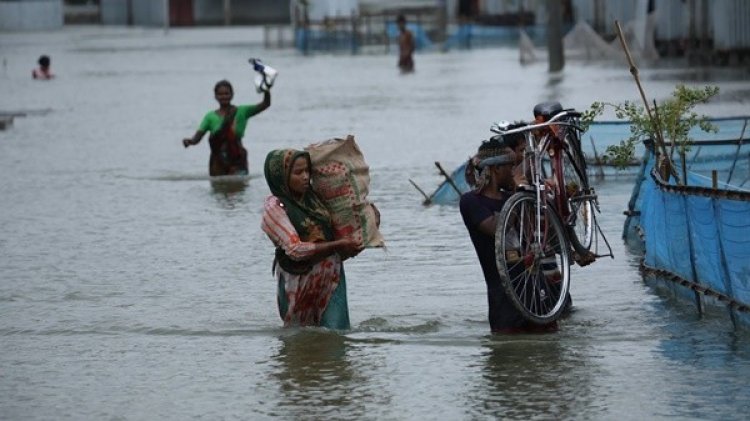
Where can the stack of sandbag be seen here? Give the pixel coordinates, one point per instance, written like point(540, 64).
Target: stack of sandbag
point(341, 177)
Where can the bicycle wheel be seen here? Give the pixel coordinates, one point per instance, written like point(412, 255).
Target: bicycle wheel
point(535, 274)
point(580, 221)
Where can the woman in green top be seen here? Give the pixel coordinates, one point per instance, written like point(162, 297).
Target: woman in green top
point(227, 126)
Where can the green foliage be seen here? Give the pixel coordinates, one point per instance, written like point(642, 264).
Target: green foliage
point(675, 116)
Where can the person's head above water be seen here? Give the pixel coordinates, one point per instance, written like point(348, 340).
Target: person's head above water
point(223, 93)
point(401, 20)
point(44, 61)
point(223, 84)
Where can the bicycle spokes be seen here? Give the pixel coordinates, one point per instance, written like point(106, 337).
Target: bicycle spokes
point(533, 266)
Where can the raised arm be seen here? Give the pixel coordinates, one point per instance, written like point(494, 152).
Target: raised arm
point(263, 105)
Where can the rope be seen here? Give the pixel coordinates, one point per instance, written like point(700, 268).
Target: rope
point(743, 196)
point(731, 302)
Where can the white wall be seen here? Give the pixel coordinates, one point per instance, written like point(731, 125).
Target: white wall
point(148, 12)
point(114, 12)
point(31, 15)
point(731, 24)
point(320, 9)
point(144, 12)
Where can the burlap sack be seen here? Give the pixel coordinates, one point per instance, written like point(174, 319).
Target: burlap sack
point(341, 177)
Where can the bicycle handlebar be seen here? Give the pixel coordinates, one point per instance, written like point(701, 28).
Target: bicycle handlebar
point(565, 113)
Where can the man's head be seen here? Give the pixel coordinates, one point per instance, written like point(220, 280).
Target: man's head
point(401, 21)
point(495, 163)
point(515, 141)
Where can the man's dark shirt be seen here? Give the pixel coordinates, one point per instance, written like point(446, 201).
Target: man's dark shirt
point(476, 208)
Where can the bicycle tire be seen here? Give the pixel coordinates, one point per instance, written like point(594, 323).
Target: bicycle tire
point(581, 223)
point(535, 276)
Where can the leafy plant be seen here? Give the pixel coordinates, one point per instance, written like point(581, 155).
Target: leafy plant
point(674, 116)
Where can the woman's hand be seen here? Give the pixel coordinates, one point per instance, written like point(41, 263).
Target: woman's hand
point(349, 247)
point(188, 141)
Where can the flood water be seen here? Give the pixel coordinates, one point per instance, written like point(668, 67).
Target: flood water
point(132, 288)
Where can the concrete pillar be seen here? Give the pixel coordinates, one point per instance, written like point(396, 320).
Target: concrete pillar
point(554, 36)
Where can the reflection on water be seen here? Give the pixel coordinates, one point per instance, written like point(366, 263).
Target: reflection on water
point(229, 191)
point(525, 376)
point(316, 378)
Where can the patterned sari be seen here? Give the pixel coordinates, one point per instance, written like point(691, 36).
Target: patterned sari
point(310, 292)
point(228, 156)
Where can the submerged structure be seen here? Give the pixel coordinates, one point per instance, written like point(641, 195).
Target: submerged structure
point(695, 234)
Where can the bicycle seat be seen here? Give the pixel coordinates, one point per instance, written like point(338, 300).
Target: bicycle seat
point(547, 109)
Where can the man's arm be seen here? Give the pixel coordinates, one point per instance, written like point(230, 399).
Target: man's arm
point(473, 211)
point(488, 226)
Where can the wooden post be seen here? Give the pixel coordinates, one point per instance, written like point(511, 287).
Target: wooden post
point(129, 12)
point(737, 153)
point(354, 32)
point(691, 248)
point(714, 180)
point(442, 24)
point(305, 29)
point(227, 12)
point(166, 15)
point(684, 167)
point(554, 36)
point(385, 34)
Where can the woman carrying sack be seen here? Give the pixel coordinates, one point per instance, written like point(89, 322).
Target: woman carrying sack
point(308, 263)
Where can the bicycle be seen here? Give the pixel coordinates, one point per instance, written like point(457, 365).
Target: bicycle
point(550, 221)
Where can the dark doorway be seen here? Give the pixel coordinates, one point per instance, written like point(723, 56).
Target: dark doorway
point(181, 13)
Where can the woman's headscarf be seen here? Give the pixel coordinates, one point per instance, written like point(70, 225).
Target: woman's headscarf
point(309, 215)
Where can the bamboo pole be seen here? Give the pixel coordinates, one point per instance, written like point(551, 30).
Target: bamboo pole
point(737, 153)
point(448, 178)
point(670, 163)
point(427, 199)
point(634, 71)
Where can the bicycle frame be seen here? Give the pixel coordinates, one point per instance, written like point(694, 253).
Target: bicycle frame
point(535, 149)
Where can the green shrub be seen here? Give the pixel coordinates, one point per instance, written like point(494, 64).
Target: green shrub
point(674, 115)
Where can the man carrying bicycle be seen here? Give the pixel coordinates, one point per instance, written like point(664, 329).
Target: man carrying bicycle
point(494, 185)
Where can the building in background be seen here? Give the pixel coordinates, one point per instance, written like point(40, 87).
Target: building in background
point(36, 15)
point(705, 31)
point(194, 12)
